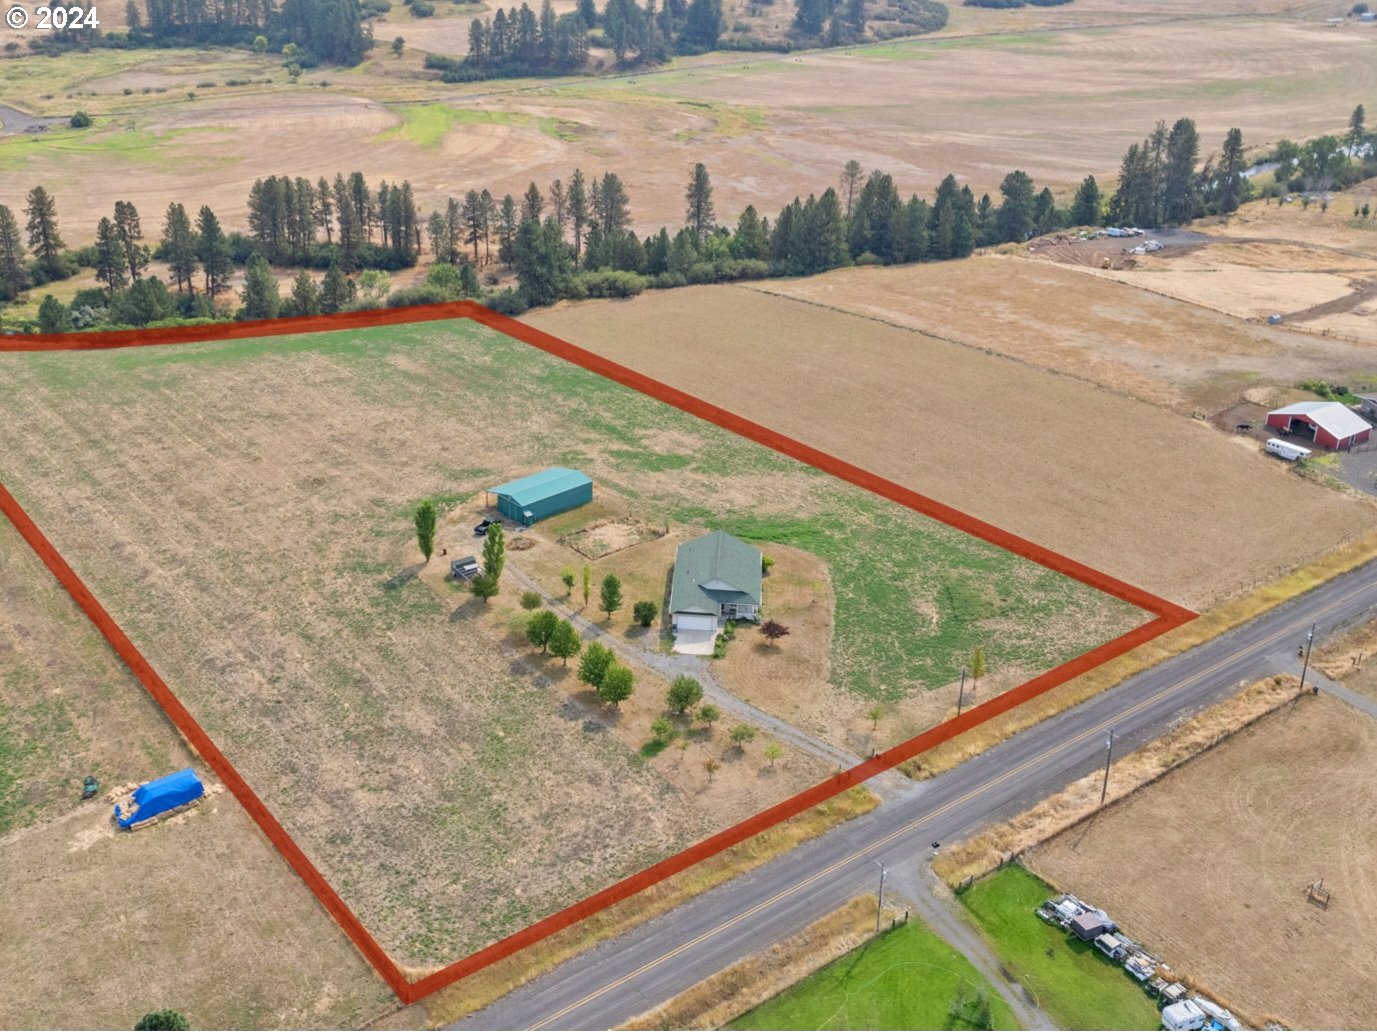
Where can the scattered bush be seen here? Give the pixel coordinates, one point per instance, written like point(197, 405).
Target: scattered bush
point(530, 600)
point(644, 613)
point(80, 120)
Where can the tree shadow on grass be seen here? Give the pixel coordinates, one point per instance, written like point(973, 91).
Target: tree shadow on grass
point(403, 577)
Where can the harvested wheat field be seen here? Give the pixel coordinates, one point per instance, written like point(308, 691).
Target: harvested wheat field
point(244, 509)
point(1209, 866)
point(767, 126)
point(1085, 324)
point(1103, 478)
point(199, 911)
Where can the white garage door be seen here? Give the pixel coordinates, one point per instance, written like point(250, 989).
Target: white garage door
point(694, 633)
point(694, 622)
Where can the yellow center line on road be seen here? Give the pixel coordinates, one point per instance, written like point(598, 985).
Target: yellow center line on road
point(904, 829)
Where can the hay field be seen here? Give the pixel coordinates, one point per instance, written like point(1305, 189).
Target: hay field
point(1103, 478)
point(1085, 324)
point(1069, 101)
point(1218, 854)
point(244, 509)
point(198, 913)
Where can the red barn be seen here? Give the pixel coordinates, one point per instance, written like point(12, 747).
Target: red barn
point(1328, 423)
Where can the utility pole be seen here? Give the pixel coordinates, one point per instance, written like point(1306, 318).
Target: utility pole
point(1305, 668)
point(1108, 758)
point(960, 695)
point(880, 899)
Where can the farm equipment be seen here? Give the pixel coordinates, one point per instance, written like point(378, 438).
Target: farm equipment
point(89, 787)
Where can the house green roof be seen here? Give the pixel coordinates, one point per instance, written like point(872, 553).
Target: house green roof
point(714, 569)
point(545, 484)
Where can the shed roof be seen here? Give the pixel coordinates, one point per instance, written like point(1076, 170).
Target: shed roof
point(545, 484)
point(1336, 418)
point(714, 569)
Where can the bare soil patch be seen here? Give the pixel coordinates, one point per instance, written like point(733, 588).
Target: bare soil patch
point(1220, 851)
point(604, 538)
point(198, 912)
point(1049, 457)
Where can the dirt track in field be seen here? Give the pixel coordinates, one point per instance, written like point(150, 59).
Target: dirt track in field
point(1155, 498)
point(1209, 866)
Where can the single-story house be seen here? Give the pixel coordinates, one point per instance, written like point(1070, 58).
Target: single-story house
point(1328, 423)
point(717, 578)
point(541, 495)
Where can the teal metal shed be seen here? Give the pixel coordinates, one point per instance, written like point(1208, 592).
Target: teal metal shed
point(542, 494)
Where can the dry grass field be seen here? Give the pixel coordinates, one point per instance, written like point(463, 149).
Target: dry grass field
point(1050, 457)
point(199, 913)
point(244, 510)
point(1095, 326)
point(1076, 86)
point(1210, 864)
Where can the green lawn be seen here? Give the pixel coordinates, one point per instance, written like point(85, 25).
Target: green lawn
point(1074, 983)
point(906, 979)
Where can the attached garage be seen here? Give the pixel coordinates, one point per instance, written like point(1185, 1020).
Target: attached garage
point(1328, 423)
point(542, 495)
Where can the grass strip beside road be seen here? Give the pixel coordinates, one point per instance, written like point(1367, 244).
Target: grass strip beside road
point(984, 852)
point(905, 978)
point(493, 982)
point(1200, 630)
point(1073, 982)
point(734, 990)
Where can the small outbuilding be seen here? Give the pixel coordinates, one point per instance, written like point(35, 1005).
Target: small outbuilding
point(1090, 925)
point(542, 495)
point(717, 577)
point(1328, 423)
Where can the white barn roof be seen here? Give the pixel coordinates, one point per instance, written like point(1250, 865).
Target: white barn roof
point(1337, 419)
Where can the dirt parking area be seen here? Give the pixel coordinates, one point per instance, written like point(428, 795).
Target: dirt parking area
point(1057, 460)
point(198, 913)
point(1218, 854)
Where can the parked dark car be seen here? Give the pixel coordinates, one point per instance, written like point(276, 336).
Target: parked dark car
point(482, 529)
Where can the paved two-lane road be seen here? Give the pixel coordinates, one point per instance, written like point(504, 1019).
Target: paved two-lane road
point(646, 966)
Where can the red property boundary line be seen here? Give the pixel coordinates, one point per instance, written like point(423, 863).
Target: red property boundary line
point(1167, 615)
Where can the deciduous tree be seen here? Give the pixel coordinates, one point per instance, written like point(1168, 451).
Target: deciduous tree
point(684, 693)
point(425, 519)
point(617, 685)
point(541, 628)
point(565, 642)
point(495, 551)
point(773, 630)
point(596, 659)
point(610, 598)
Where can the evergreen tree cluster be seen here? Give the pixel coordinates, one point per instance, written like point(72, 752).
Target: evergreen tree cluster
point(362, 227)
point(1161, 185)
point(322, 30)
point(516, 42)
